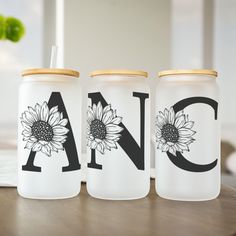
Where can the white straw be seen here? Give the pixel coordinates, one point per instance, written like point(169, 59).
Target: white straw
point(53, 63)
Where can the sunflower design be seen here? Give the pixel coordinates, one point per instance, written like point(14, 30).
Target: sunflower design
point(173, 131)
point(44, 129)
point(103, 127)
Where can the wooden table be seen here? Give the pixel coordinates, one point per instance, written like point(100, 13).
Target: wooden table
point(85, 215)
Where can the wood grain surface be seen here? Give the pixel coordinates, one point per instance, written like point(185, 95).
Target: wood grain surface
point(84, 215)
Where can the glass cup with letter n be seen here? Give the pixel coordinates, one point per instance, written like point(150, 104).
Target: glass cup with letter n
point(118, 137)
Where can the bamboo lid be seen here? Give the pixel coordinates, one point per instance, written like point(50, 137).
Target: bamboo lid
point(54, 71)
point(188, 72)
point(119, 72)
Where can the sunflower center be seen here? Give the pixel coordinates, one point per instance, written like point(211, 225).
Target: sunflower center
point(41, 130)
point(98, 129)
point(170, 133)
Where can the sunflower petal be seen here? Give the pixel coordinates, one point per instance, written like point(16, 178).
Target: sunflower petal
point(99, 111)
point(158, 135)
point(42, 142)
point(110, 128)
point(163, 140)
point(90, 109)
point(183, 146)
point(165, 148)
point(25, 138)
point(44, 112)
point(46, 150)
point(57, 145)
point(184, 139)
point(33, 139)
point(107, 108)
point(100, 148)
point(94, 109)
point(161, 114)
point(60, 130)
point(90, 116)
point(116, 139)
point(53, 147)
point(166, 114)
point(114, 114)
point(93, 144)
point(172, 150)
point(33, 113)
point(53, 110)
point(160, 121)
point(178, 148)
point(63, 122)
point(189, 125)
point(190, 141)
point(54, 119)
point(26, 133)
point(160, 145)
point(180, 121)
point(37, 147)
point(59, 138)
point(179, 113)
point(158, 130)
point(110, 143)
point(113, 136)
point(98, 140)
point(63, 141)
point(29, 144)
point(170, 144)
point(186, 132)
point(23, 118)
point(171, 117)
point(117, 120)
point(38, 110)
point(26, 126)
point(107, 117)
point(29, 117)
point(106, 146)
point(187, 118)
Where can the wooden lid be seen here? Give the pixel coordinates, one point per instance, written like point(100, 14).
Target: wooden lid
point(188, 72)
point(54, 71)
point(119, 72)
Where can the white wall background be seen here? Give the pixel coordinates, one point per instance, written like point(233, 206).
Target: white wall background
point(14, 57)
point(117, 34)
point(225, 57)
point(187, 29)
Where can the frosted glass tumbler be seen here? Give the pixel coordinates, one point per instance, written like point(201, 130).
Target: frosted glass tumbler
point(49, 134)
point(187, 135)
point(118, 137)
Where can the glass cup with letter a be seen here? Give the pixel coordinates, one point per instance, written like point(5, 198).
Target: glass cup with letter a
point(187, 135)
point(49, 134)
point(118, 138)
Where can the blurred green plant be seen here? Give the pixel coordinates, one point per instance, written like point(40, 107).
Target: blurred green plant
point(11, 28)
